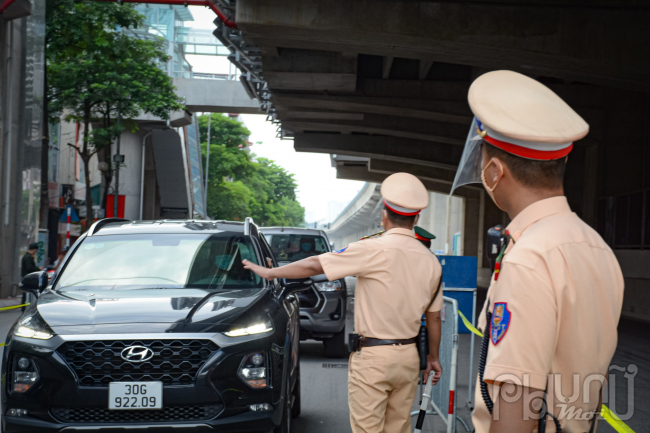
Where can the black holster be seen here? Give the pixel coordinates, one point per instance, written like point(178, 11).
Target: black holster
point(423, 346)
point(354, 341)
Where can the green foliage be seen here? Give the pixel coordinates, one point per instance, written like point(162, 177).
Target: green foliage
point(240, 186)
point(95, 70)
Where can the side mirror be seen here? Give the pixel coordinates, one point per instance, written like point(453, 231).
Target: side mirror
point(34, 283)
point(296, 285)
point(320, 278)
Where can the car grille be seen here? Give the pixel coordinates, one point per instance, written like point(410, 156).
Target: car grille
point(309, 298)
point(175, 362)
point(167, 414)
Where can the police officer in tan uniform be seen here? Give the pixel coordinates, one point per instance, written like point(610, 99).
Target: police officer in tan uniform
point(550, 318)
point(397, 280)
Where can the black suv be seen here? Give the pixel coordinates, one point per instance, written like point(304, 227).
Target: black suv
point(154, 324)
point(323, 307)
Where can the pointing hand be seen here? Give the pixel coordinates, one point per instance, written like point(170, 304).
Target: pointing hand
point(259, 270)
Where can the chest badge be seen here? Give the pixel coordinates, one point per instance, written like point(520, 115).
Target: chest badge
point(500, 322)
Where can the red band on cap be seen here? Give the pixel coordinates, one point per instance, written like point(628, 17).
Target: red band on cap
point(417, 236)
point(525, 152)
point(399, 212)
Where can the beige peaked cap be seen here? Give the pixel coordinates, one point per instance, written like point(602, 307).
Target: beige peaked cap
point(519, 107)
point(405, 190)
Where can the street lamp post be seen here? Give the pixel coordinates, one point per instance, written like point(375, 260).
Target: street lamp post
point(207, 164)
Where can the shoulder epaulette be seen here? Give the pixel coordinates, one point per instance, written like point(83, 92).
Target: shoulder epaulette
point(372, 236)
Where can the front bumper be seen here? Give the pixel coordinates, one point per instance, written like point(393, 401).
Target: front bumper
point(322, 314)
point(245, 422)
point(216, 386)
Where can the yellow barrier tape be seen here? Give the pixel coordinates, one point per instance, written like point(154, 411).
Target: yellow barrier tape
point(13, 307)
point(614, 420)
point(469, 325)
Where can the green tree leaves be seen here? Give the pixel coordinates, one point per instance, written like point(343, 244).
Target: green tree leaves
point(240, 186)
point(95, 70)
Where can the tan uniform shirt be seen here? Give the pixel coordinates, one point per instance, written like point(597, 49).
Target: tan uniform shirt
point(397, 278)
point(555, 309)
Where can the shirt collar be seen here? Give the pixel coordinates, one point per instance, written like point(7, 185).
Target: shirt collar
point(535, 212)
point(400, 231)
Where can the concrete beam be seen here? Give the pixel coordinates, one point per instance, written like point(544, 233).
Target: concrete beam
point(425, 67)
point(362, 174)
point(389, 167)
point(395, 149)
point(216, 96)
point(386, 66)
point(603, 49)
point(316, 61)
point(289, 114)
point(311, 81)
point(442, 111)
point(417, 129)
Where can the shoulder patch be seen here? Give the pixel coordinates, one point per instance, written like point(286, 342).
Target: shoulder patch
point(500, 322)
point(341, 250)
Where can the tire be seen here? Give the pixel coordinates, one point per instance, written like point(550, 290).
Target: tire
point(295, 409)
point(285, 426)
point(335, 347)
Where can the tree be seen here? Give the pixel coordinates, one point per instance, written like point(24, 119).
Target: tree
point(239, 185)
point(95, 71)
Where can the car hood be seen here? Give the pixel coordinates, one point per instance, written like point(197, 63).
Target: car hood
point(155, 306)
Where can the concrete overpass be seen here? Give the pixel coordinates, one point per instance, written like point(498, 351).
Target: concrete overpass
point(216, 96)
point(387, 81)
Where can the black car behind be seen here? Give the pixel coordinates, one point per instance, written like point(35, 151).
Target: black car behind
point(154, 325)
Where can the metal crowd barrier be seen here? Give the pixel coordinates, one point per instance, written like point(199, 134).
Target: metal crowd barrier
point(443, 395)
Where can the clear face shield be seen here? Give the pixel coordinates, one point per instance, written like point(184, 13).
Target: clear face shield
point(469, 169)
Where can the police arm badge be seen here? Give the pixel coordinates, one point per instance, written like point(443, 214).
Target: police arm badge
point(500, 322)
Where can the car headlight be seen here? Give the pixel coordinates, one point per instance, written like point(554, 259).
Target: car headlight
point(253, 370)
point(34, 327)
point(25, 374)
point(251, 330)
point(329, 286)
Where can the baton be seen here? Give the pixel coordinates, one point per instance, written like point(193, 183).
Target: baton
point(426, 398)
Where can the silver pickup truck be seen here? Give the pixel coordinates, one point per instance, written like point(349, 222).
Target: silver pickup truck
point(324, 307)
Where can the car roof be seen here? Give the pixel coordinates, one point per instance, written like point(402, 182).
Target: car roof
point(168, 226)
point(292, 231)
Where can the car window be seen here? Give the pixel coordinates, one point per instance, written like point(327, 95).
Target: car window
point(293, 247)
point(207, 261)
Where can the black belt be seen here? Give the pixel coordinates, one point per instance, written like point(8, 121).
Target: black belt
point(371, 342)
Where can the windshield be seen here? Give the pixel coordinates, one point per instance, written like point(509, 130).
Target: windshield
point(290, 248)
point(205, 261)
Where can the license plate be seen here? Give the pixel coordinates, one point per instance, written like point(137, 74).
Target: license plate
point(134, 395)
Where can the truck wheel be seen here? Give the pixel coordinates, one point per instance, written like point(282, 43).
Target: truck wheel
point(335, 347)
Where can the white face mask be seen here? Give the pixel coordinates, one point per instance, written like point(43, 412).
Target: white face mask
point(489, 190)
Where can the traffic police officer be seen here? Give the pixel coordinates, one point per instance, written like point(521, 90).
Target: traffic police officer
point(555, 298)
point(423, 236)
point(397, 281)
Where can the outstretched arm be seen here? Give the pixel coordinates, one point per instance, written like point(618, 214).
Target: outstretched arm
point(301, 269)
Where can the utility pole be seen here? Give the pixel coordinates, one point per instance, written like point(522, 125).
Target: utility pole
point(207, 164)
